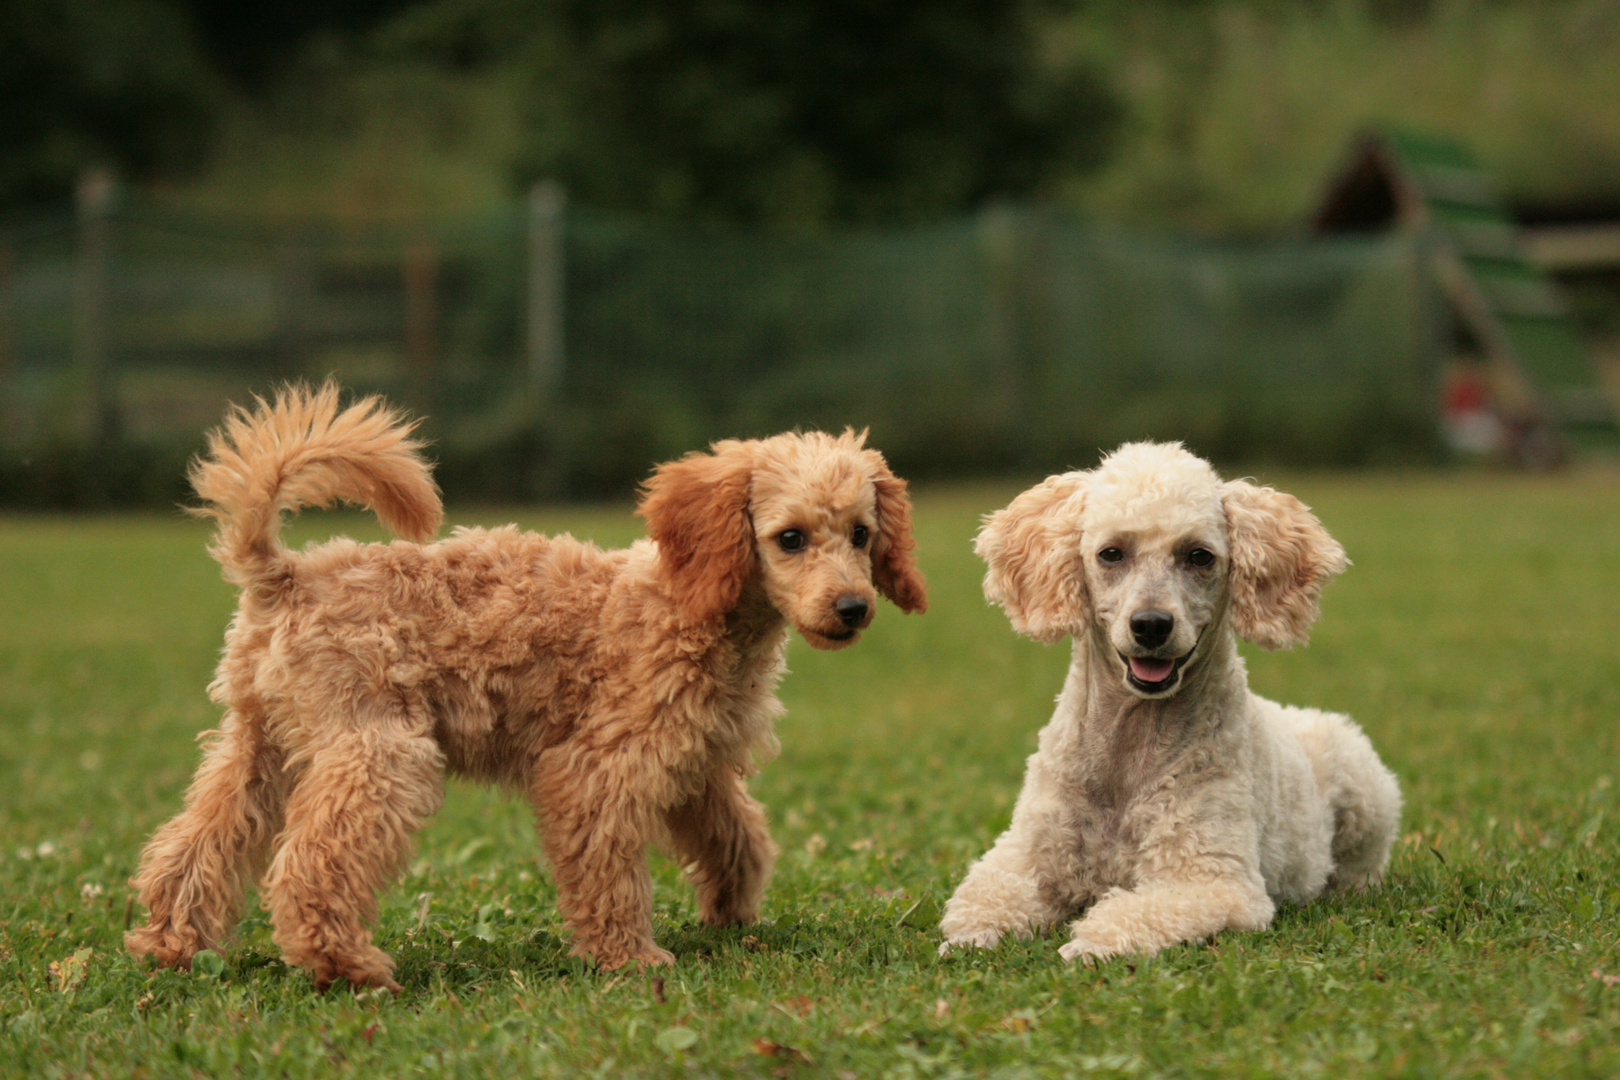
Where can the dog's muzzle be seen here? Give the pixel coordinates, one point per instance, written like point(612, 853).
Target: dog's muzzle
point(851, 611)
point(1151, 675)
point(1151, 627)
point(1155, 676)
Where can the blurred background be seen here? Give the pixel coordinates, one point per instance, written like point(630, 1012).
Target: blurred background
point(581, 237)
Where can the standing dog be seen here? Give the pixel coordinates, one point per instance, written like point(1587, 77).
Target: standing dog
point(627, 694)
point(1166, 800)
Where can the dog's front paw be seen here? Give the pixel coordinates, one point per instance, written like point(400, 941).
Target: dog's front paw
point(657, 958)
point(729, 912)
point(1085, 951)
point(611, 955)
point(163, 944)
point(980, 939)
point(645, 959)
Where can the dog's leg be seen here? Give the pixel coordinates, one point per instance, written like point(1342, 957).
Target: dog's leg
point(1156, 915)
point(720, 834)
point(349, 823)
point(597, 813)
point(1011, 890)
point(1362, 795)
point(194, 868)
point(1001, 894)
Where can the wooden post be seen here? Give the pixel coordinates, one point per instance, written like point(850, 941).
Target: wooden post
point(544, 339)
point(295, 300)
point(89, 411)
point(999, 229)
point(422, 317)
point(545, 329)
point(8, 334)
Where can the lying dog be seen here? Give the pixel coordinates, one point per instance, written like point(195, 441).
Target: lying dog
point(626, 693)
point(1166, 800)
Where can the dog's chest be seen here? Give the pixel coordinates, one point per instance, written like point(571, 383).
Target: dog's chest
point(1112, 794)
point(1104, 838)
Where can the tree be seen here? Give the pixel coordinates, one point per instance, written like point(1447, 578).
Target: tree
point(118, 83)
point(785, 112)
point(250, 43)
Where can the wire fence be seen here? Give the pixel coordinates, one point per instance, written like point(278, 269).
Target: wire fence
point(560, 354)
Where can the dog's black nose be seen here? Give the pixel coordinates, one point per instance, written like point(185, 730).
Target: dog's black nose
point(1152, 628)
point(851, 609)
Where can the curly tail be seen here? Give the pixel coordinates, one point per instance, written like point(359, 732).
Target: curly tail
point(299, 450)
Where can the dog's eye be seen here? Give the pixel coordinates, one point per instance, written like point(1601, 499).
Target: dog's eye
point(859, 536)
point(792, 540)
point(1111, 555)
point(1201, 558)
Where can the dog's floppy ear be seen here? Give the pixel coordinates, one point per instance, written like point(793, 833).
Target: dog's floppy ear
point(894, 569)
point(1281, 558)
point(697, 510)
point(1036, 572)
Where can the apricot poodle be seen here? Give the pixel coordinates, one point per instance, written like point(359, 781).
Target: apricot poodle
point(627, 694)
point(1166, 801)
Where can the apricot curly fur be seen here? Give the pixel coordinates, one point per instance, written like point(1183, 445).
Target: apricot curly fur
point(626, 694)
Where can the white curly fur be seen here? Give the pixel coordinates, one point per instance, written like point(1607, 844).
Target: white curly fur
point(1166, 801)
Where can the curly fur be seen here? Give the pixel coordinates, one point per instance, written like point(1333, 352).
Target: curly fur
point(627, 694)
point(1165, 800)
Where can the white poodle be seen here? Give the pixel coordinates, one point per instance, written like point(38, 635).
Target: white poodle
point(1166, 800)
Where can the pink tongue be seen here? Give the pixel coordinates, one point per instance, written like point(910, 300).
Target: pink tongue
point(1151, 671)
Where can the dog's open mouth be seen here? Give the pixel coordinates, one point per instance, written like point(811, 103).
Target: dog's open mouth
point(1151, 675)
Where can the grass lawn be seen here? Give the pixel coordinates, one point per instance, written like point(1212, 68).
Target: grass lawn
point(1474, 639)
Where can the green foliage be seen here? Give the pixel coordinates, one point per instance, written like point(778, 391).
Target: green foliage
point(115, 83)
point(793, 113)
point(343, 134)
point(1241, 109)
point(1218, 115)
point(1472, 639)
point(252, 44)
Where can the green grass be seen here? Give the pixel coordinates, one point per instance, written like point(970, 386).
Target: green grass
point(1474, 639)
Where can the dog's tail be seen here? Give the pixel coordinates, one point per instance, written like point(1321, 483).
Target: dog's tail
point(300, 450)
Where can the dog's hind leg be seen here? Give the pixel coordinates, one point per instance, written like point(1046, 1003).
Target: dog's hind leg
point(193, 870)
point(350, 818)
point(1366, 817)
point(1363, 796)
point(721, 836)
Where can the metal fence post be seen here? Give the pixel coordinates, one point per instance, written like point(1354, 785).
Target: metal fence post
point(1433, 330)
